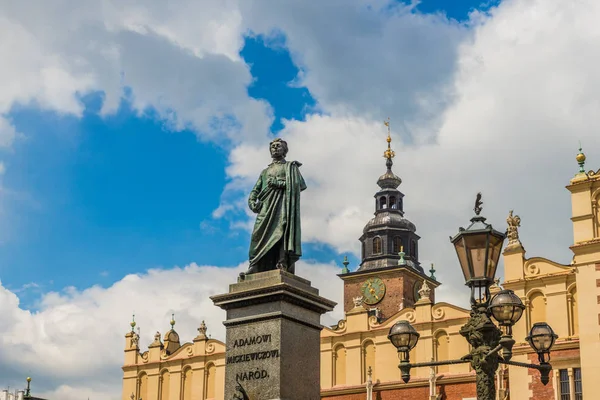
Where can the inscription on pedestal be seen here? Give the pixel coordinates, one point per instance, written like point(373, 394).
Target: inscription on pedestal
point(249, 344)
point(252, 359)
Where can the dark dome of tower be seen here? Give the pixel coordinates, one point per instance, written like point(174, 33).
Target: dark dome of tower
point(389, 180)
point(387, 219)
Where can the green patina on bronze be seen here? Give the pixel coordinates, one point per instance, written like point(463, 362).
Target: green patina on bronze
point(275, 241)
point(483, 336)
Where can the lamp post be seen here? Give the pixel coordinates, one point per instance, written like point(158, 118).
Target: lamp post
point(478, 248)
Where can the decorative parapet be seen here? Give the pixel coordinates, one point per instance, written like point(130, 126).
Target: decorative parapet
point(425, 291)
point(512, 232)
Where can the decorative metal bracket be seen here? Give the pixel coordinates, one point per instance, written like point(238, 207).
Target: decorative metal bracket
point(406, 366)
point(544, 368)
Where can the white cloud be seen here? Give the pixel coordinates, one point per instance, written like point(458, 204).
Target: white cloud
point(373, 58)
point(524, 91)
point(74, 343)
point(181, 59)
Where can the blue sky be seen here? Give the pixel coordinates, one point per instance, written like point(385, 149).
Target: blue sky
point(91, 199)
point(95, 198)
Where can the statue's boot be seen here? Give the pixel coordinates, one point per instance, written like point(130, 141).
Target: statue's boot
point(252, 269)
point(292, 268)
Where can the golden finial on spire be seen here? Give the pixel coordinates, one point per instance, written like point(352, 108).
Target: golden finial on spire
point(580, 159)
point(172, 320)
point(389, 153)
point(132, 323)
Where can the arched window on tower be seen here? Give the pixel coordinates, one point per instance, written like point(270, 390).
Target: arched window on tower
point(382, 203)
point(377, 245)
point(413, 248)
point(393, 204)
point(396, 245)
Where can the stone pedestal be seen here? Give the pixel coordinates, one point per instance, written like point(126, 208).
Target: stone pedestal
point(273, 337)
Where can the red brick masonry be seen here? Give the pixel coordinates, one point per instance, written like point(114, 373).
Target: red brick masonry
point(450, 391)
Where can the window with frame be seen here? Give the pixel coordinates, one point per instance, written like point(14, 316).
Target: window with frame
point(577, 383)
point(396, 244)
point(413, 248)
point(382, 203)
point(377, 245)
point(565, 388)
point(393, 204)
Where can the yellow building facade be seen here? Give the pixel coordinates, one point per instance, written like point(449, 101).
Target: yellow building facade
point(359, 362)
point(169, 370)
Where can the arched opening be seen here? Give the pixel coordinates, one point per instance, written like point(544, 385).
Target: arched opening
point(211, 381)
point(413, 248)
point(165, 384)
point(339, 363)
point(143, 387)
point(377, 245)
point(362, 248)
point(537, 308)
point(574, 314)
point(393, 204)
point(396, 245)
point(187, 384)
point(382, 203)
point(368, 359)
point(441, 350)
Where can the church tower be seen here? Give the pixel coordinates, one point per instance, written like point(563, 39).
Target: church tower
point(389, 275)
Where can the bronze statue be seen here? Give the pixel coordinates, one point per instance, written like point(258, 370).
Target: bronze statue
point(275, 242)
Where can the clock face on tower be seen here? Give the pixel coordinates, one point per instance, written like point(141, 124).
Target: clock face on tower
point(372, 290)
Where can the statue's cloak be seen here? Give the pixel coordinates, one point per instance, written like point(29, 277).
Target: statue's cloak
point(278, 221)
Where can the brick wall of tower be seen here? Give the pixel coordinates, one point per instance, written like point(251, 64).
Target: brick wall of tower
point(399, 285)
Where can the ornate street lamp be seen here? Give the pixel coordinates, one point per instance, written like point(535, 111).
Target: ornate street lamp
point(478, 248)
point(541, 339)
point(404, 338)
point(506, 308)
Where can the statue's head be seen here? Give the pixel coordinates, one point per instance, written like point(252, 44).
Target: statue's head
point(278, 148)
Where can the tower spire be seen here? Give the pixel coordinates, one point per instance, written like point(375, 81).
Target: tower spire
point(389, 180)
point(388, 154)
